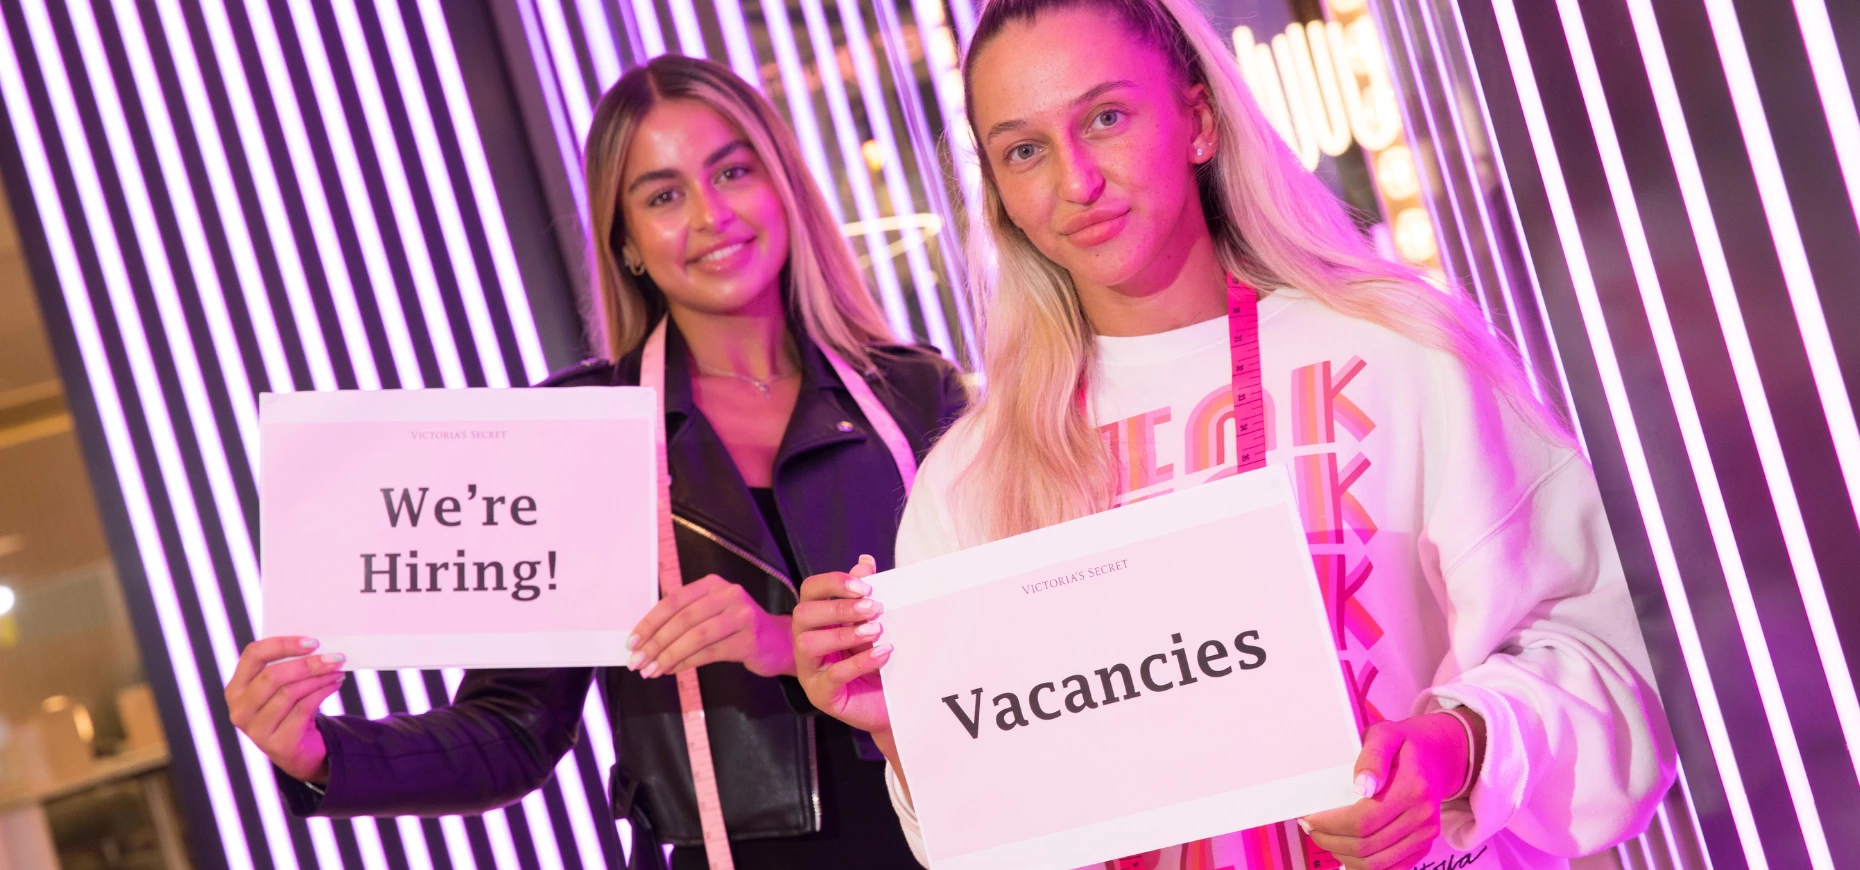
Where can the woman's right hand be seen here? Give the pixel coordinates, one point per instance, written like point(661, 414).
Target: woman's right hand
point(275, 702)
point(836, 656)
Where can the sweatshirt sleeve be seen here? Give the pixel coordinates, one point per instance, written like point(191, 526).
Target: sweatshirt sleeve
point(1544, 643)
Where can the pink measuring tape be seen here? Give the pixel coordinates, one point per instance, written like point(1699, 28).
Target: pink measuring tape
point(690, 702)
point(1250, 442)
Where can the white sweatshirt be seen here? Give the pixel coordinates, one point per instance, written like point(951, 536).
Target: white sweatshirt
point(1467, 561)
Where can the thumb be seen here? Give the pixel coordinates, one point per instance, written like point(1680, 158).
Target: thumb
point(1380, 744)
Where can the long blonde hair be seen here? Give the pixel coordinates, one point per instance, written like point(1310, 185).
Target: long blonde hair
point(1039, 461)
point(822, 291)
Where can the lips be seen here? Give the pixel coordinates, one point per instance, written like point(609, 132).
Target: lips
point(721, 252)
point(1095, 226)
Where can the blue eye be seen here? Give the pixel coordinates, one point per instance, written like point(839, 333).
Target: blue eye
point(1021, 152)
point(1107, 118)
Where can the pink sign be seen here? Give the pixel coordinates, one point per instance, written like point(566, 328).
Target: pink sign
point(459, 528)
point(1142, 677)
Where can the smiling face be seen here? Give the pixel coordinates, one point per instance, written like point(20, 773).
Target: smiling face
point(702, 213)
point(1093, 152)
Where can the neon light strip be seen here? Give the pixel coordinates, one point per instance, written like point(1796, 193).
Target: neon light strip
point(647, 19)
point(117, 439)
point(1633, 453)
point(315, 203)
point(1774, 193)
point(484, 190)
point(187, 372)
point(567, 70)
point(1692, 434)
point(1837, 99)
point(458, 843)
point(433, 163)
point(225, 196)
point(381, 281)
point(736, 42)
point(929, 163)
point(181, 197)
point(1471, 164)
point(690, 32)
point(417, 257)
point(1524, 251)
point(964, 13)
point(580, 820)
point(1773, 459)
point(878, 117)
point(599, 33)
point(567, 140)
point(413, 840)
point(258, 160)
point(162, 287)
point(800, 101)
point(1296, 96)
point(826, 60)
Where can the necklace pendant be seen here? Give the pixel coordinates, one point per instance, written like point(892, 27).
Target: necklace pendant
point(763, 386)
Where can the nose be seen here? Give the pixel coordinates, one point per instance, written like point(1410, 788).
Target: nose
point(710, 210)
point(1080, 180)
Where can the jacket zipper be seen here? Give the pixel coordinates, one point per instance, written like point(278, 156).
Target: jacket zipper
point(745, 555)
point(813, 743)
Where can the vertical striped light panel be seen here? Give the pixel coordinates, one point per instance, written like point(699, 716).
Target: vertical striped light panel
point(224, 198)
point(868, 89)
point(1666, 194)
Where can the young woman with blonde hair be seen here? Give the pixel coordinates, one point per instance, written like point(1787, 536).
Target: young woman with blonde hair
point(1142, 213)
point(790, 413)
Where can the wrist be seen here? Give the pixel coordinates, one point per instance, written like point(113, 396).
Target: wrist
point(1465, 734)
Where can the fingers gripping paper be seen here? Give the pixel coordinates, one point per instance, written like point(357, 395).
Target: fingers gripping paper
point(1134, 679)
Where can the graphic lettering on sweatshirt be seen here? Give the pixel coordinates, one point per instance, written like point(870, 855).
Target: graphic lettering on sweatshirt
point(1336, 522)
point(1326, 472)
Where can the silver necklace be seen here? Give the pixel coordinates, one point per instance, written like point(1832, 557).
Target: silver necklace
point(761, 386)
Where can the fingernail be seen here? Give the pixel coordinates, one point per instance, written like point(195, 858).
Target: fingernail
point(652, 670)
point(859, 587)
point(880, 650)
point(1306, 826)
point(869, 629)
point(866, 606)
point(335, 659)
point(866, 559)
point(307, 642)
point(632, 641)
point(632, 664)
point(1365, 784)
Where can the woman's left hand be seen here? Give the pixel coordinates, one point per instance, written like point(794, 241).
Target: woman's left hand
point(711, 620)
point(1406, 769)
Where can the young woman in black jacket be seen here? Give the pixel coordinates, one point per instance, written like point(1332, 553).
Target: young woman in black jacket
point(710, 231)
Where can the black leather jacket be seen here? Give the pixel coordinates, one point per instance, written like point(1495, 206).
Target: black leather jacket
point(839, 495)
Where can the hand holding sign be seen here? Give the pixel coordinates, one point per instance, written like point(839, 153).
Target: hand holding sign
point(711, 620)
point(273, 698)
point(1405, 770)
point(835, 651)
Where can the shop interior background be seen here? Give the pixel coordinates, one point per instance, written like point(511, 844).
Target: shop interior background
point(1656, 200)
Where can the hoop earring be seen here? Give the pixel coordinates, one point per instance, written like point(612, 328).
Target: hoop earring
point(636, 268)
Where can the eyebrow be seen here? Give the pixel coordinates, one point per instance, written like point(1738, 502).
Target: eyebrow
point(1097, 91)
point(715, 157)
